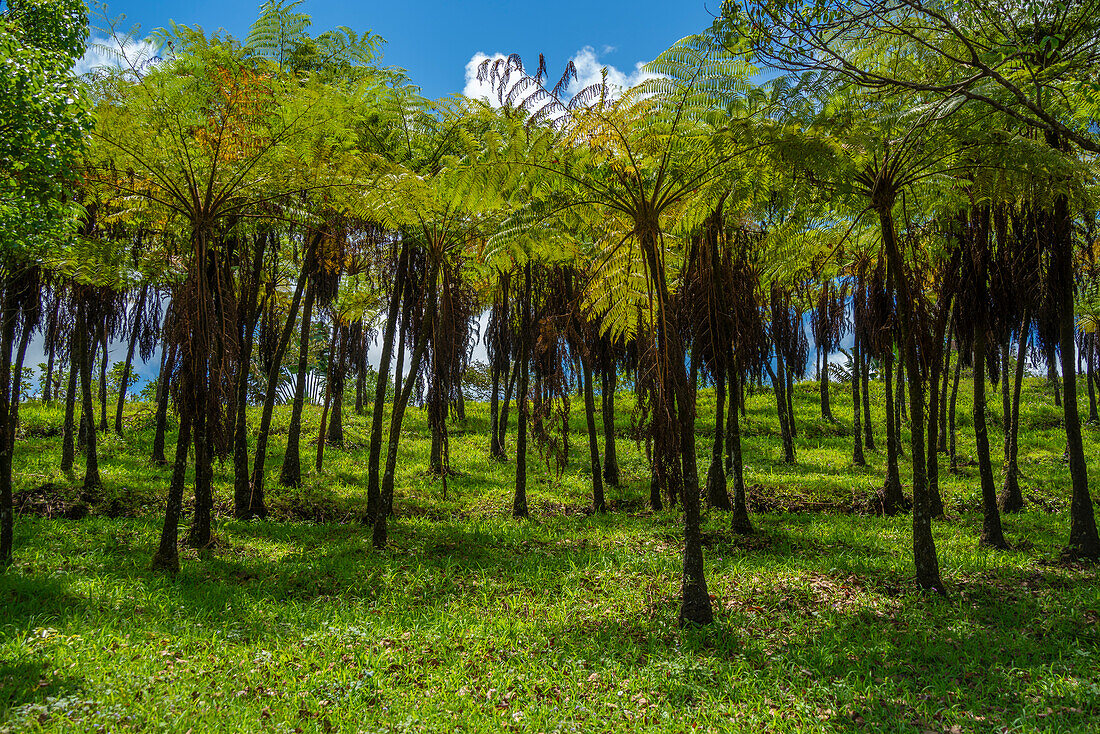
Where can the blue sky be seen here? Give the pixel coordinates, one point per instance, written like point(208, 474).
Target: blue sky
point(435, 41)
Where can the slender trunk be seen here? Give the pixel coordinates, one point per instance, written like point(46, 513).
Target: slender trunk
point(68, 429)
point(823, 374)
point(1052, 379)
point(741, 399)
point(134, 334)
point(951, 416)
point(322, 432)
point(992, 534)
point(242, 487)
point(291, 474)
point(257, 504)
point(7, 337)
point(946, 372)
point(695, 607)
point(1006, 400)
point(1011, 498)
point(167, 555)
point(1083, 539)
point(249, 313)
point(868, 431)
point(336, 419)
point(693, 378)
point(17, 387)
point(200, 534)
point(857, 430)
point(435, 457)
point(103, 426)
point(167, 361)
point(899, 406)
point(92, 483)
point(903, 410)
point(1090, 377)
point(735, 402)
point(10, 387)
point(935, 499)
point(360, 388)
point(47, 387)
point(788, 391)
point(401, 401)
point(495, 449)
point(374, 456)
point(519, 500)
point(893, 501)
point(925, 558)
point(778, 384)
point(509, 390)
point(598, 503)
point(609, 382)
point(740, 522)
point(716, 474)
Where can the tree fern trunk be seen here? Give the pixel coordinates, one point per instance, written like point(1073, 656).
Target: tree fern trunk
point(951, 416)
point(992, 534)
point(322, 431)
point(47, 386)
point(505, 405)
point(788, 391)
point(1090, 377)
point(167, 555)
point(200, 534)
point(135, 332)
point(256, 497)
point(103, 426)
point(291, 474)
point(495, 449)
point(609, 380)
point(378, 408)
point(7, 337)
point(899, 407)
point(1011, 498)
point(740, 522)
point(598, 503)
point(857, 430)
point(823, 374)
point(360, 388)
point(1052, 380)
point(68, 428)
point(1083, 539)
point(925, 558)
point(892, 498)
point(781, 408)
point(946, 374)
point(716, 474)
point(868, 430)
point(92, 482)
point(167, 362)
point(519, 499)
point(1006, 400)
point(401, 401)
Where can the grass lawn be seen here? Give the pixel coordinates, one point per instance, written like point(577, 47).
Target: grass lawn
point(471, 621)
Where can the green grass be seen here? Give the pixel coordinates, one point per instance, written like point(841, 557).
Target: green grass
point(471, 621)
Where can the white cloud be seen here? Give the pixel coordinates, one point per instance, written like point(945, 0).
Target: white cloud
point(104, 51)
point(589, 71)
point(475, 89)
point(586, 61)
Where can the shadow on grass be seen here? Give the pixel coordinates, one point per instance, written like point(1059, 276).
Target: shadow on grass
point(23, 682)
